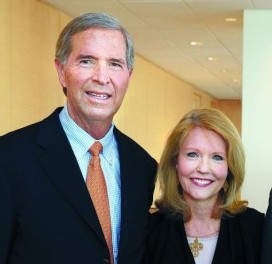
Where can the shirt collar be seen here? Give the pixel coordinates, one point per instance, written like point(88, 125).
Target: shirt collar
point(82, 139)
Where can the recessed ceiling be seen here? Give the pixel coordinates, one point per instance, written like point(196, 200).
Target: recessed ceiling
point(163, 30)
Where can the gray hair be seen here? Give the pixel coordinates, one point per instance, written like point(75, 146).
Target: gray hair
point(84, 22)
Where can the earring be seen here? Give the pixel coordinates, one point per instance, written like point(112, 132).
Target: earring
point(225, 186)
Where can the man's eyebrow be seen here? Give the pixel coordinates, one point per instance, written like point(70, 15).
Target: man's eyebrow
point(122, 61)
point(116, 60)
point(83, 56)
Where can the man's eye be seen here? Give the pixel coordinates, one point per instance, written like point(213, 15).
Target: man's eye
point(85, 61)
point(116, 65)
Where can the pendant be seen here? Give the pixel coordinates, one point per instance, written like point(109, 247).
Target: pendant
point(196, 247)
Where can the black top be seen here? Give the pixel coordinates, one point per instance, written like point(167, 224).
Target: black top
point(267, 235)
point(239, 240)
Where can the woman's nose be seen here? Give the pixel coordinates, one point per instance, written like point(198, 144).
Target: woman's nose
point(203, 166)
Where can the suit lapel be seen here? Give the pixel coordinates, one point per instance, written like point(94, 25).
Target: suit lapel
point(60, 165)
point(130, 186)
point(127, 189)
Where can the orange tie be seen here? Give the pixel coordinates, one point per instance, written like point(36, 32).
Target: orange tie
point(98, 191)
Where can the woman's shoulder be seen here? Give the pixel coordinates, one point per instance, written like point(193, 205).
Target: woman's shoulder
point(160, 218)
point(250, 217)
point(157, 217)
point(251, 213)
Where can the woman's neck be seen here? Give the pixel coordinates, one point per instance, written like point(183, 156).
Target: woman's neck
point(202, 223)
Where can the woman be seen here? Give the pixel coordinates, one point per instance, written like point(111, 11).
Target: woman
point(200, 218)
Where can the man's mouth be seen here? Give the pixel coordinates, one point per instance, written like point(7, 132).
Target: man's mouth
point(101, 96)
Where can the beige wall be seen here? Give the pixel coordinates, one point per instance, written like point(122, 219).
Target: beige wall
point(30, 90)
point(5, 82)
point(154, 103)
point(28, 82)
point(257, 107)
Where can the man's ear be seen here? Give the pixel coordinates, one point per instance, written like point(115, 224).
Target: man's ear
point(130, 73)
point(60, 70)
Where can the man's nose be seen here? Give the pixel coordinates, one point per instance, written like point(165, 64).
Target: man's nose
point(100, 74)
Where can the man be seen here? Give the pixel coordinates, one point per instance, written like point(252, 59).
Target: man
point(267, 235)
point(47, 215)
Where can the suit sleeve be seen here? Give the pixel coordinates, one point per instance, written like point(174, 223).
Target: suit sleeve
point(267, 234)
point(7, 220)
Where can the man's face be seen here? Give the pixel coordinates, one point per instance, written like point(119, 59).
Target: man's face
point(95, 76)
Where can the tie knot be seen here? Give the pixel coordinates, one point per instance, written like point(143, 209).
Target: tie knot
point(96, 148)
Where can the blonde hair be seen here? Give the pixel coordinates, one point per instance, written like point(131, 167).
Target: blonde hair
point(212, 119)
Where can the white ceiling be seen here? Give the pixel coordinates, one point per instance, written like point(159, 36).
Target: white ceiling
point(163, 29)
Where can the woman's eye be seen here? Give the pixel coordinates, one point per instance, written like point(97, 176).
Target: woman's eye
point(192, 155)
point(218, 157)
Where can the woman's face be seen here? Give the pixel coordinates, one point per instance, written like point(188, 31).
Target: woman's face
point(202, 165)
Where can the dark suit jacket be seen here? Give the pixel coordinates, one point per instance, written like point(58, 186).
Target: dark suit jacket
point(267, 235)
point(239, 240)
point(46, 214)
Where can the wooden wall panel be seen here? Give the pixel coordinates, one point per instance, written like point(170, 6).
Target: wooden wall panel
point(233, 109)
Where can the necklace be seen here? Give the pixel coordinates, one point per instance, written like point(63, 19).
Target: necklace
point(197, 246)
